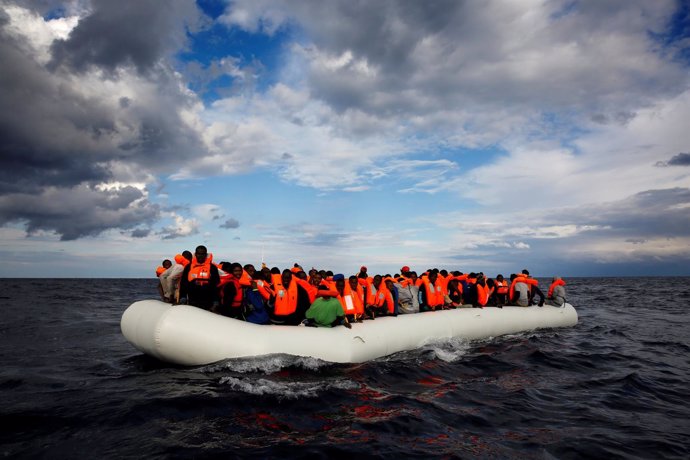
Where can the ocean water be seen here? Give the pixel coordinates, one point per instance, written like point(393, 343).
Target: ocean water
point(615, 386)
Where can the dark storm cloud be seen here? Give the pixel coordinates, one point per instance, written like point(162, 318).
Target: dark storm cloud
point(63, 130)
point(682, 159)
point(230, 223)
point(78, 212)
point(653, 213)
point(115, 34)
point(140, 232)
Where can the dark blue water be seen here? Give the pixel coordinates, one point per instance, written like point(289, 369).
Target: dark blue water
point(615, 386)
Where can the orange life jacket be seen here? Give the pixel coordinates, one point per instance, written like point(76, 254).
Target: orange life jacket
point(522, 279)
point(558, 282)
point(160, 270)
point(286, 298)
point(180, 259)
point(434, 293)
point(264, 289)
point(482, 294)
point(200, 273)
point(351, 304)
point(239, 293)
point(501, 287)
point(380, 297)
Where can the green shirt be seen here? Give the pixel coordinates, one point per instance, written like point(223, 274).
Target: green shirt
point(325, 311)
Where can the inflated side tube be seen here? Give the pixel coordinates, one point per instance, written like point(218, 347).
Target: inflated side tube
point(190, 336)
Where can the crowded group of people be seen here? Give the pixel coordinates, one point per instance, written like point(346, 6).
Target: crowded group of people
point(321, 298)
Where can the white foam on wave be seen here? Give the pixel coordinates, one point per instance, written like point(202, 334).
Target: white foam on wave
point(268, 364)
point(289, 390)
point(448, 350)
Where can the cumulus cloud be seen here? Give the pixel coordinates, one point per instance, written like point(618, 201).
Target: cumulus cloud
point(77, 111)
point(79, 211)
point(181, 227)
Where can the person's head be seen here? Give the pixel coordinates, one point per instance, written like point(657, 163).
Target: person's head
point(413, 276)
point(187, 255)
point(266, 272)
point(249, 268)
point(452, 285)
point(201, 253)
point(377, 281)
point(339, 280)
point(362, 269)
point(226, 267)
point(525, 272)
point(167, 264)
point(353, 282)
point(286, 277)
point(389, 284)
point(512, 276)
point(236, 270)
point(329, 273)
point(316, 279)
point(499, 277)
point(275, 271)
point(404, 270)
point(301, 275)
point(432, 276)
point(444, 272)
point(490, 282)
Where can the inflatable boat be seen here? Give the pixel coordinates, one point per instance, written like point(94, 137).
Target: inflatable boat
point(190, 336)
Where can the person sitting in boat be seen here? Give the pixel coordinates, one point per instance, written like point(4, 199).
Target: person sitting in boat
point(454, 295)
point(289, 301)
point(519, 291)
point(378, 298)
point(255, 298)
point(352, 305)
point(170, 279)
point(231, 292)
point(408, 293)
point(390, 286)
point(200, 279)
point(500, 294)
point(357, 291)
point(326, 311)
point(430, 292)
point(556, 293)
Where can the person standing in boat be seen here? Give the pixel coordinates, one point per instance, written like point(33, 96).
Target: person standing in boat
point(200, 279)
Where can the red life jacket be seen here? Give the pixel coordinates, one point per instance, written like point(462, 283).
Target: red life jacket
point(200, 273)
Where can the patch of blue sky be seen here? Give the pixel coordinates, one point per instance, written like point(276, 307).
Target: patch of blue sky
point(561, 127)
point(207, 47)
point(677, 35)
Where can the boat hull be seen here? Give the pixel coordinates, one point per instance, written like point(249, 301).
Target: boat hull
point(190, 336)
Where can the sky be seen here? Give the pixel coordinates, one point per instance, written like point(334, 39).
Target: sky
point(467, 135)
